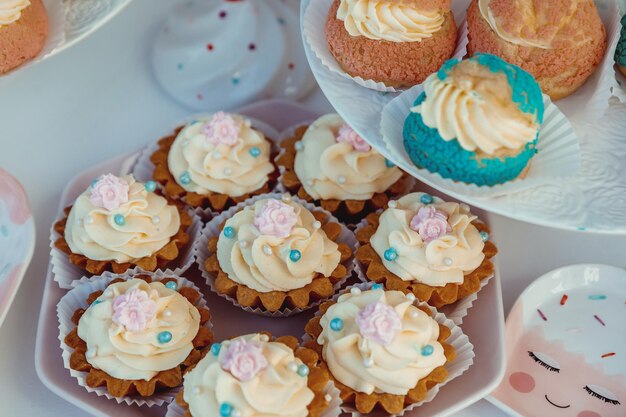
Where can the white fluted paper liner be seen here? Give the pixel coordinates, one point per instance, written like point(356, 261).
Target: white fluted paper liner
point(558, 151)
point(334, 410)
point(455, 311)
point(458, 340)
point(67, 274)
point(77, 298)
point(212, 229)
point(144, 168)
point(590, 102)
point(313, 29)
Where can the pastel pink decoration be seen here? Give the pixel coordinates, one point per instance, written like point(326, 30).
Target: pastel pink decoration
point(13, 194)
point(430, 223)
point(379, 322)
point(276, 219)
point(109, 192)
point(244, 360)
point(133, 310)
point(222, 129)
point(347, 134)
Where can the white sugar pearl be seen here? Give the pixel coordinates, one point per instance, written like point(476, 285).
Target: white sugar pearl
point(91, 353)
point(264, 338)
point(167, 313)
point(410, 296)
point(293, 367)
point(317, 224)
point(267, 250)
point(197, 390)
point(368, 362)
point(217, 155)
point(309, 182)
point(341, 179)
point(89, 220)
point(355, 291)
point(185, 142)
point(108, 293)
point(447, 261)
point(156, 219)
point(415, 314)
point(228, 171)
point(235, 413)
point(328, 398)
point(243, 244)
point(299, 146)
point(393, 203)
point(286, 198)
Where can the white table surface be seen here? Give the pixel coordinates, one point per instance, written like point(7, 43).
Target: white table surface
point(98, 100)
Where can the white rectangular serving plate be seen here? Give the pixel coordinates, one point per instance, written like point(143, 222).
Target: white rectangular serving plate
point(484, 324)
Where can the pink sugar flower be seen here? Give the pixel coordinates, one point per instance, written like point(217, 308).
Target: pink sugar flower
point(276, 219)
point(222, 129)
point(379, 323)
point(347, 134)
point(133, 310)
point(430, 223)
point(244, 360)
point(109, 192)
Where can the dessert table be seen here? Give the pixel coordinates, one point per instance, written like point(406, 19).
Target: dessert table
point(98, 100)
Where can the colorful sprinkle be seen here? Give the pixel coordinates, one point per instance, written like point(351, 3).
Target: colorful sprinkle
point(235, 81)
point(427, 199)
point(291, 65)
point(303, 370)
point(377, 287)
point(295, 255)
point(389, 164)
point(4, 230)
point(215, 348)
point(185, 178)
point(427, 350)
point(281, 21)
point(543, 316)
point(164, 337)
point(150, 186)
point(209, 46)
point(597, 297)
point(119, 219)
point(564, 299)
point(599, 320)
point(252, 47)
point(391, 254)
point(226, 410)
point(484, 236)
point(222, 14)
point(607, 355)
point(200, 96)
point(336, 324)
point(229, 232)
point(172, 285)
point(255, 151)
point(180, 66)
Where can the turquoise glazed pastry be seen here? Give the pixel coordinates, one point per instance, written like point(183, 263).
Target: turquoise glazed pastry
point(620, 52)
point(476, 122)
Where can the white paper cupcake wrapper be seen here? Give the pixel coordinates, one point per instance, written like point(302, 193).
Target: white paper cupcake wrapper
point(334, 410)
point(315, 18)
point(68, 274)
point(590, 102)
point(144, 168)
point(455, 311)
point(77, 298)
point(558, 151)
point(212, 229)
point(458, 340)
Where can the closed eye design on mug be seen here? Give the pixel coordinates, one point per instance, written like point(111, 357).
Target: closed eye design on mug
point(546, 361)
point(602, 394)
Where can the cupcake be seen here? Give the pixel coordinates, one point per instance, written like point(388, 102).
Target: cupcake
point(477, 121)
point(119, 223)
point(23, 32)
point(215, 162)
point(254, 376)
point(620, 52)
point(561, 43)
point(329, 164)
point(423, 245)
point(276, 255)
point(138, 337)
point(382, 351)
point(398, 43)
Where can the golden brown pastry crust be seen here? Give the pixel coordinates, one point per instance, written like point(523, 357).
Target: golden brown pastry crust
point(390, 403)
point(164, 380)
point(158, 260)
point(319, 289)
point(375, 270)
point(214, 201)
point(318, 377)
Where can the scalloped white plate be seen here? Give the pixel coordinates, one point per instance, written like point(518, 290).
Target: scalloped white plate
point(592, 201)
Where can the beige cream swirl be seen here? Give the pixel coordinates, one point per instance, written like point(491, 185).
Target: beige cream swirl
point(234, 170)
point(474, 106)
point(11, 10)
point(148, 224)
point(446, 259)
point(370, 367)
point(335, 170)
point(262, 262)
point(389, 21)
point(277, 391)
point(129, 355)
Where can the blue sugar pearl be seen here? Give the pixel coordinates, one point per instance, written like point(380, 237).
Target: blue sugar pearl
point(94, 182)
point(295, 255)
point(303, 370)
point(427, 199)
point(389, 164)
point(226, 410)
point(185, 178)
point(255, 152)
point(164, 337)
point(391, 254)
point(427, 350)
point(336, 324)
point(377, 286)
point(150, 186)
point(484, 236)
point(215, 348)
point(172, 285)
point(95, 303)
point(119, 219)
point(229, 232)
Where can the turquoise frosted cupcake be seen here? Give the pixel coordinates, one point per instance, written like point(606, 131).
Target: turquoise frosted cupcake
point(477, 121)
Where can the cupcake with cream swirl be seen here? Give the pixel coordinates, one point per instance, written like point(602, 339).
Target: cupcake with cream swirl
point(257, 376)
point(138, 336)
point(118, 223)
point(274, 255)
point(437, 250)
point(477, 121)
point(328, 163)
point(215, 162)
point(381, 349)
